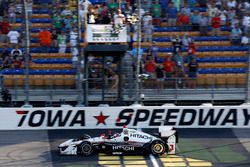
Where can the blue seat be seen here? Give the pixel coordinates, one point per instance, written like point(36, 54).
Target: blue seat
point(19, 20)
point(13, 71)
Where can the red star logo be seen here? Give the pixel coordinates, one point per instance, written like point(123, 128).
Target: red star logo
point(101, 119)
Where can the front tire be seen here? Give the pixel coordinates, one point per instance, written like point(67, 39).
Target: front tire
point(158, 147)
point(86, 148)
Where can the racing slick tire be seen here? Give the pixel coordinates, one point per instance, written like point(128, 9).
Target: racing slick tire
point(85, 148)
point(157, 147)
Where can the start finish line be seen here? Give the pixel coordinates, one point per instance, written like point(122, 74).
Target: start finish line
point(117, 117)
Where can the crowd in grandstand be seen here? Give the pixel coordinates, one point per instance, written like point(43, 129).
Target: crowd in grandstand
point(182, 13)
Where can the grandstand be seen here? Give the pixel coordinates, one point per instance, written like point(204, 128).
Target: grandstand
point(80, 76)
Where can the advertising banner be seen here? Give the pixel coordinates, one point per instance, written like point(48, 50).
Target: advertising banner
point(117, 117)
point(104, 33)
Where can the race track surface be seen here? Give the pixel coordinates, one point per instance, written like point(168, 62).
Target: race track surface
point(196, 147)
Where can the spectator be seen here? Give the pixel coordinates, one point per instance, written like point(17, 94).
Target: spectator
point(5, 53)
point(191, 47)
point(119, 19)
point(177, 44)
point(231, 15)
point(172, 14)
point(45, 38)
point(183, 21)
point(204, 22)
point(73, 41)
point(16, 53)
point(216, 23)
point(186, 10)
point(235, 21)
point(178, 59)
point(17, 63)
point(5, 27)
point(235, 35)
point(19, 7)
point(13, 37)
point(12, 13)
point(179, 77)
point(66, 11)
point(231, 4)
point(54, 39)
point(84, 5)
point(148, 32)
point(168, 66)
point(212, 11)
point(185, 40)
point(192, 73)
point(6, 96)
point(177, 4)
point(195, 20)
point(191, 3)
point(245, 40)
point(62, 42)
point(160, 76)
point(147, 18)
point(67, 22)
point(246, 23)
point(223, 18)
point(150, 66)
point(57, 22)
point(114, 80)
point(7, 62)
point(30, 8)
point(156, 12)
point(3, 37)
point(91, 16)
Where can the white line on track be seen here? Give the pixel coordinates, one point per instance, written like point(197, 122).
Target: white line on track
point(153, 160)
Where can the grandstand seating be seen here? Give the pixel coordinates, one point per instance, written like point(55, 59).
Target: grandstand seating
point(220, 63)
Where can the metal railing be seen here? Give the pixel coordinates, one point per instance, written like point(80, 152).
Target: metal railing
point(55, 89)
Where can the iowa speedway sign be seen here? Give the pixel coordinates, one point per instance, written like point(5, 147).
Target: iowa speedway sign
point(116, 117)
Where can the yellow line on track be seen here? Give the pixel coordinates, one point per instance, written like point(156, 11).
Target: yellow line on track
point(172, 160)
point(135, 162)
point(133, 157)
point(111, 165)
point(200, 164)
point(109, 162)
point(103, 158)
point(179, 164)
point(136, 165)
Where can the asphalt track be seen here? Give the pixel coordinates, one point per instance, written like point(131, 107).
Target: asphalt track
point(196, 147)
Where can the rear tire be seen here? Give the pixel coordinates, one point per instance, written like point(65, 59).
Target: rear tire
point(158, 147)
point(86, 148)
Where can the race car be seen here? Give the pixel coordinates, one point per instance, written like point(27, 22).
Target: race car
point(128, 141)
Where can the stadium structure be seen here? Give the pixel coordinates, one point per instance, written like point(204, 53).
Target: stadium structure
point(104, 70)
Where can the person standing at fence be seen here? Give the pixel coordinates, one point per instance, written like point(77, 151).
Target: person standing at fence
point(62, 42)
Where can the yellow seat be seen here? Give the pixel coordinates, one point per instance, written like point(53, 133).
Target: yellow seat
point(241, 79)
point(48, 80)
point(18, 80)
point(37, 80)
point(220, 80)
point(69, 80)
point(231, 80)
point(8, 80)
point(58, 80)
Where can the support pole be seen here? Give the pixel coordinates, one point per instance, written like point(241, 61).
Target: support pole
point(79, 57)
point(138, 57)
point(27, 53)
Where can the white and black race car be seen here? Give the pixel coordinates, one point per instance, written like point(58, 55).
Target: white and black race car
point(128, 141)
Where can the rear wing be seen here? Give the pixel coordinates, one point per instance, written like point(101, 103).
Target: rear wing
point(169, 135)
